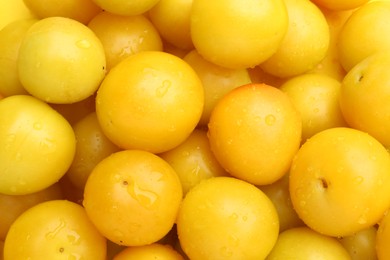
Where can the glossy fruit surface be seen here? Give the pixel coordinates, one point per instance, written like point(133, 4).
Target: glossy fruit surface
point(221, 202)
point(150, 101)
point(254, 132)
point(38, 145)
point(336, 179)
point(133, 197)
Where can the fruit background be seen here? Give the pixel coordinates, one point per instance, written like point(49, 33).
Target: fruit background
point(194, 129)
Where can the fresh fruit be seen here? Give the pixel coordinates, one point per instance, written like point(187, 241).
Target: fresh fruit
point(340, 5)
point(123, 36)
point(227, 218)
point(150, 101)
point(305, 44)
point(38, 145)
point(362, 244)
point(12, 11)
point(133, 197)
point(152, 251)
point(364, 96)
point(278, 193)
point(61, 61)
point(79, 10)
point(217, 81)
point(61, 226)
point(237, 37)
point(193, 160)
point(305, 243)
point(172, 20)
point(11, 37)
point(316, 97)
point(92, 146)
point(126, 8)
point(365, 32)
point(254, 132)
point(194, 129)
point(336, 179)
point(383, 237)
point(11, 206)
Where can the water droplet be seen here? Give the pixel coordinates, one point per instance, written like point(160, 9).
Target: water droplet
point(163, 89)
point(359, 180)
point(145, 197)
point(316, 110)
point(118, 234)
point(270, 119)
point(195, 171)
point(239, 122)
point(302, 203)
point(172, 128)
point(362, 220)
point(233, 240)
point(225, 252)
point(233, 216)
point(73, 237)
point(74, 256)
point(185, 153)
point(84, 44)
point(47, 145)
point(52, 234)
point(37, 126)
point(363, 217)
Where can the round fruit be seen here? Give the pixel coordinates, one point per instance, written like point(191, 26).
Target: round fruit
point(382, 238)
point(125, 7)
point(304, 243)
point(305, 44)
point(37, 145)
point(133, 197)
point(61, 60)
point(237, 33)
point(11, 206)
point(362, 244)
point(336, 179)
point(193, 160)
point(364, 97)
point(316, 97)
point(123, 36)
point(92, 146)
point(338, 5)
point(172, 20)
point(11, 37)
point(79, 10)
point(150, 101)
point(217, 81)
point(56, 229)
point(226, 218)
point(12, 11)
point(254, 132)
point(148, 252)
point(365, 32)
